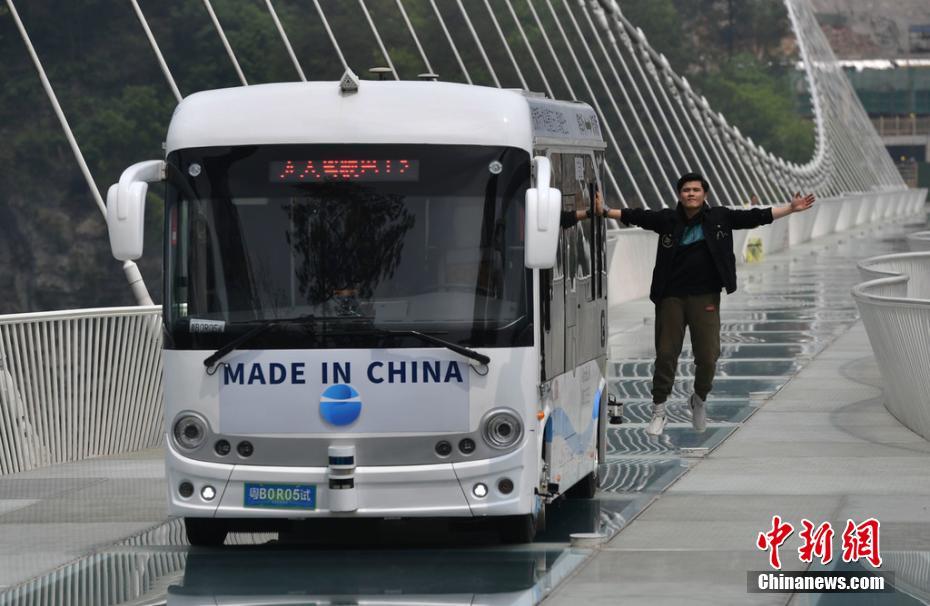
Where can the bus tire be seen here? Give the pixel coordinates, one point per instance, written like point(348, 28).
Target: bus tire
point(205, 532)
point(586, 487)
point(517, 529)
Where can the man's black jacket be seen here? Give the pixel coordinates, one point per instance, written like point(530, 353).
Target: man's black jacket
point(718, 223)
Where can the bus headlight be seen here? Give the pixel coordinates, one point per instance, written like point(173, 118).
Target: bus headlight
point(190, 432)
point(502, 428)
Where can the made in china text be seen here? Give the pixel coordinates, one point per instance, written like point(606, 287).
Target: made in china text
point(296, 373)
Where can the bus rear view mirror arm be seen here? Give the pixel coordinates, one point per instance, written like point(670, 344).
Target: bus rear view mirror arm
point(126, 208)
point(543, 214)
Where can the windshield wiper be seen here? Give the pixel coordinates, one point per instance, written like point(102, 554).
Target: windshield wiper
point(459, 349)
point(467, 352)
point(210, 363)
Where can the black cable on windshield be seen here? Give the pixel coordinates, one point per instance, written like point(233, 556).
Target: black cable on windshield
point(211, 363)
point(459, 349)
point(467, 352)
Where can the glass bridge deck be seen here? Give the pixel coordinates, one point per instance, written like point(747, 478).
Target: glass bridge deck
point(94, 532)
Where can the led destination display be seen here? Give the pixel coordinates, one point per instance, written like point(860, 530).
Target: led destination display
point(343, 169)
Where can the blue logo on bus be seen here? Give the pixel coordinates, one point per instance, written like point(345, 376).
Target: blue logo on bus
point(340, 405)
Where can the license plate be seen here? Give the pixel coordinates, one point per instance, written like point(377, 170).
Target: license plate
point(280, 496)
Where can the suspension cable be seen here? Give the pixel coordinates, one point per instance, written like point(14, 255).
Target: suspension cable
point(529, 47)
point(622, 88)
point(416, 40)
point(374, 30)
point(597, 108)
point(222, 34)
point(129, 267)
point(503, 38)
point(157, 51)
point(286, 40)
point(455, 50)
point(638, 43)
point(552, 52)
point(478, 43)
point(329, 32)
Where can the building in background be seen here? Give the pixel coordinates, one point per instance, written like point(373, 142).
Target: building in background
point(887, 60)
point(896, 95)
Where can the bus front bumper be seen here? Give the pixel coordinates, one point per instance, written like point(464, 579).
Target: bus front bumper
point(438, 490)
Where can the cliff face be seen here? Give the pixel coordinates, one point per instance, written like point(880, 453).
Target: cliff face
point(871, 29)
point(55, 254)
point(54, 249)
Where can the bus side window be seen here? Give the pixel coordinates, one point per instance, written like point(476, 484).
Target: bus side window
point(569, 187)
point(558, 272)
point(601, 228)
point(576, 177)
point(597, 243)
point(590, 227)
point(583, 257)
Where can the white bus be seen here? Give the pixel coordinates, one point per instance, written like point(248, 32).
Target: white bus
point(371, 306)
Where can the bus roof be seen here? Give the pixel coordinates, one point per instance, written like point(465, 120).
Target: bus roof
point(379, 112)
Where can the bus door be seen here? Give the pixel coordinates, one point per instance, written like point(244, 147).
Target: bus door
point(569, 245)
point(588, 252)
point(580, 248)
point(580, 290)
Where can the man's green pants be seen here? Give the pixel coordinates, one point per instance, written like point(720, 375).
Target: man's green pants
point(701, 315)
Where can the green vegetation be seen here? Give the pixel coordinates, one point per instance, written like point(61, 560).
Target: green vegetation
point(54, 252)
point(743, 69)
point(758, 102)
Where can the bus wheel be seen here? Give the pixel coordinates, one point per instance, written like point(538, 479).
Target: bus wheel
point(586, 487)
point(517, 529)
point(205, 532)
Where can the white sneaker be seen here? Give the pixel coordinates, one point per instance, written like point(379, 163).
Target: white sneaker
point(657, 424)
point(698, 413)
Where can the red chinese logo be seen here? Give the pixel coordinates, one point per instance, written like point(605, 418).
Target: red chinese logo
point(862, 542)
point(859, 541)
point(817, 542)
point(772, 540)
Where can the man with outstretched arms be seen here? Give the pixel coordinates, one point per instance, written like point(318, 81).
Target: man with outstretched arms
point(694, 261)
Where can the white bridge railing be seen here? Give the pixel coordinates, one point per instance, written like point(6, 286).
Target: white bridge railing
point(635, 249)
point(78, 384)
point(919, 241)
point(895, 307)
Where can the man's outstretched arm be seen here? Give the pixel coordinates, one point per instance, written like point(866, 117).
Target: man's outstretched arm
point(653, 220)
point(798, 204)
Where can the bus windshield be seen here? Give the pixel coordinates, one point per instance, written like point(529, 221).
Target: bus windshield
point(389, 237)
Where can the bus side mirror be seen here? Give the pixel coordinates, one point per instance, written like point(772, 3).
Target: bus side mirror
point(543, 218)
point(126, 208)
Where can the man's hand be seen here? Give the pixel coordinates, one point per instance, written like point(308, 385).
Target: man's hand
point(612, 213)
point(799, 204)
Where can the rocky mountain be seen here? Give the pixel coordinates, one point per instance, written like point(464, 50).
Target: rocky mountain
point(873, 29)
